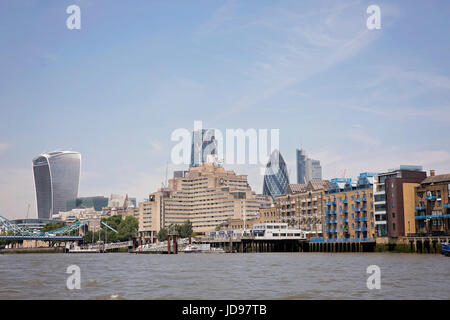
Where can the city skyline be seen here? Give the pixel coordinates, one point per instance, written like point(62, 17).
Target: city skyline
point(357, 99)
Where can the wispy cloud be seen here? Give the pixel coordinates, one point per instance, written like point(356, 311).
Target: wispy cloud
point(303, 48)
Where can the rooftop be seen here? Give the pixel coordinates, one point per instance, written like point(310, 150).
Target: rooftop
point(441, 178)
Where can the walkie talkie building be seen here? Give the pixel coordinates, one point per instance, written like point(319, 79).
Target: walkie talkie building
point(56, 177)
point(276, 178)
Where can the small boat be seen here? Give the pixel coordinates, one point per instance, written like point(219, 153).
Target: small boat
point(445, 249)
point(191, 249)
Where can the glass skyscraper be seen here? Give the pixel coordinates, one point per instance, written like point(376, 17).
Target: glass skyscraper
point(203, 145)
point(56, 178)
point(307, 169)
point(276, 178)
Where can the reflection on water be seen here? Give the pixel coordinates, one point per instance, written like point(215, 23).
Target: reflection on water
point(225, 276)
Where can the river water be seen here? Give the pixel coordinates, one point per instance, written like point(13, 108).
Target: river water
point(225, 276)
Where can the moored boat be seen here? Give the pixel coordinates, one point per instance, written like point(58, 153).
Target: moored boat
point(445, 249)
point(191, 249)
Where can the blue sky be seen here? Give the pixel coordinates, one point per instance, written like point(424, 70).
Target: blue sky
point(356, 99)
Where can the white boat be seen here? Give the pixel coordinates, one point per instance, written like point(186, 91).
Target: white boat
point(192, 249)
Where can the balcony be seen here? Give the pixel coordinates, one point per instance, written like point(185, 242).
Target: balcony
point(356, 209)
point(345, 200)
point(364, 209)
point(345, 211)
point(345, 220)
point(364, 199)
point(430, 198)
point(363, 219)
point(447, 205)
point(420, 208)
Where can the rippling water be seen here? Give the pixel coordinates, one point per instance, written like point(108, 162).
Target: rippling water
point(225, 276)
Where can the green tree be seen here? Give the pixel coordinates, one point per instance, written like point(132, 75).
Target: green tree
point(128, 228)
point(185, 230)
point(163, 234)
point(218, 227)
point(52, 226)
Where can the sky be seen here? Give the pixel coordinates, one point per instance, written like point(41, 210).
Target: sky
point(358, 100)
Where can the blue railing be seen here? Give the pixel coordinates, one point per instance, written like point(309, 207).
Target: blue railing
point(430, 198)
point(419, 208)
point(434, 216)
point(447, 205)
point(322, 240)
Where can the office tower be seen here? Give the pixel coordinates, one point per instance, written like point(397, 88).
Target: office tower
point(301, 166)
point(56, 177)
point(87, 202)
point(307, 169)
point(276, 178)
point(203, 146)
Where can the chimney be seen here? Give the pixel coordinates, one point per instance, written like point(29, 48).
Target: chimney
point(432, 173)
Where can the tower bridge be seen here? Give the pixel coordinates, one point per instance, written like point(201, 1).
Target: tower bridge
point(13, 231)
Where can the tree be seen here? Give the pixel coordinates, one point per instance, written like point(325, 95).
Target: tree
point(218, 227)
point(128, 228)
point(185, 230)
point(52, 226)
point(163, 234)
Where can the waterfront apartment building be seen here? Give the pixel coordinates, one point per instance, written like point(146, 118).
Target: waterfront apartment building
point(307, 169)
point(206, 196)
point(432, 205)
point(394, 201)
point(56, 178)
point(349, 209)
point(269, 215)
point(302, 207)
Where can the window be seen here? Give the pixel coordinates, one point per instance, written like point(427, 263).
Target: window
point(393, 226)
